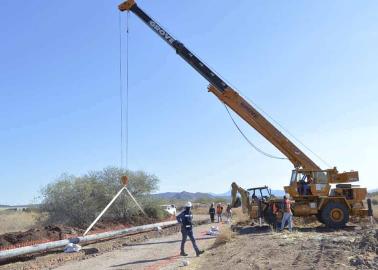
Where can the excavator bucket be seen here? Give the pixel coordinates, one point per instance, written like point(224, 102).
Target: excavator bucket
point(237, 203)
point(243, 201)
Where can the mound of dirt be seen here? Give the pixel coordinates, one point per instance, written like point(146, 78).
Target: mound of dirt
point(59, 232)
point(40, 234)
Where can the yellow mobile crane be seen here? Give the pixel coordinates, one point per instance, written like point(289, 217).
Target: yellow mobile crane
point(310, 186)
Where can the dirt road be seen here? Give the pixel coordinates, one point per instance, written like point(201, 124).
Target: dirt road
point(251, 248)
point(314, 247)
point(153, 254)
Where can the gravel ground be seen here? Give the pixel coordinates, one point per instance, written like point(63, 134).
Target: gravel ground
point(311, 247)
point(153, 254)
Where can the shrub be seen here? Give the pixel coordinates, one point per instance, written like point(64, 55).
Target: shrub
point(239, 217)
point(76, 201)
point(154, 211)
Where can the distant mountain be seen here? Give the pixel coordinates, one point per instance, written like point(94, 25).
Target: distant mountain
point(184, 195)
point(275, 192)
point(20, 206)
point(190, 196)
point(225, 194)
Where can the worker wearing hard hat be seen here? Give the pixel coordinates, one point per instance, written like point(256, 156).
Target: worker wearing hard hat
point(185, 218)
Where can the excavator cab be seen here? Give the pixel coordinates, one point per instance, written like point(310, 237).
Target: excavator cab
point(260, 193)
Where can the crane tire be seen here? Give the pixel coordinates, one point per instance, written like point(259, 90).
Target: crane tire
point(335, 215)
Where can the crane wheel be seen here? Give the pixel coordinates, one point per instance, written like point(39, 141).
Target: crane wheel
point(335, 215)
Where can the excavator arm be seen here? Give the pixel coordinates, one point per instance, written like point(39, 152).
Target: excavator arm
point(226, 94)
point(245, 201)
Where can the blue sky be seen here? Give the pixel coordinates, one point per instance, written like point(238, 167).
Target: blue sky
point(312, 65)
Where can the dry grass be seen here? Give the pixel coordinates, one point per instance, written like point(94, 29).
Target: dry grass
point(225, 235)
point(375, 212)
point(18, 221)
point(201, 210)
point(375, 207)
point(240, 218)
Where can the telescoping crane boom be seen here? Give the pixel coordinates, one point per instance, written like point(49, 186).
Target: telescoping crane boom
point(226, 94)
point(304, 168)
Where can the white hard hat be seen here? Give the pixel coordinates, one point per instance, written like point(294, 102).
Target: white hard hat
point(188, 204)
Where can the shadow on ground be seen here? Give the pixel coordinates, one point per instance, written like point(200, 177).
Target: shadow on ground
point(147, 261)
point(164, 242)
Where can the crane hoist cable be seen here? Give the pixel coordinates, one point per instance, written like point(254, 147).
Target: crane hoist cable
point(124, 95)
point(248, 140)
point(270, 117)
point(127, 94)
point(285, 129)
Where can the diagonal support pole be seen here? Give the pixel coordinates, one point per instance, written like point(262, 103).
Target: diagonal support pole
point(132, 197)
point(103, 211)
point(110, 203)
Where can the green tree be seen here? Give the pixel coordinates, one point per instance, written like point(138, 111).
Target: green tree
point(76, 201)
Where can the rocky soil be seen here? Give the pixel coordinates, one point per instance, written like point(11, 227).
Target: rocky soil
point(306, 248)
point(310, 246)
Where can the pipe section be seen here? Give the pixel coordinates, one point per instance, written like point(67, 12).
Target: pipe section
point(7, 254)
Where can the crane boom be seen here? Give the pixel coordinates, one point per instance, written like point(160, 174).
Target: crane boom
point(228, 95)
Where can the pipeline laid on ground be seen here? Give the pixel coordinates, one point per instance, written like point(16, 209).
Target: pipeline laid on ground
point(7, 254)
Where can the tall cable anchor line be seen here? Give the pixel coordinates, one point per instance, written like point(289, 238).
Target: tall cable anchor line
point(120, 87)
point(124, 95)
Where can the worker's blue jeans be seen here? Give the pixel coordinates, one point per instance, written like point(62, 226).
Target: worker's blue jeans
point(287, 217)
point(185, 233)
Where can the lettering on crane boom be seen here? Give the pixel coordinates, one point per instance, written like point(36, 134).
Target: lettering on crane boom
point(161, 32)
point(249, 109)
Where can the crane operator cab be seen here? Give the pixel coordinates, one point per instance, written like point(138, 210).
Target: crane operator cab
point(318, 183)
point(313, 195)
point(308, 183)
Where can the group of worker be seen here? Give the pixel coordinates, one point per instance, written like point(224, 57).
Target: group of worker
point(185, 218)
point(219, 212)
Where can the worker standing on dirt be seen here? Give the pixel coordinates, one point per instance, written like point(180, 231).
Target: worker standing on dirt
point(228, 213)
point(219, 212)
point(185, 218)
point(288, 215)
point(212, 212)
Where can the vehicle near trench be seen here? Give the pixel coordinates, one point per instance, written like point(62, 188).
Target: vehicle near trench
point(169, 208)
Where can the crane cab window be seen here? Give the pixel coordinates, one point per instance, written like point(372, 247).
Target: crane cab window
point(321, 177)
point(309, 177)
point(305, 180)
